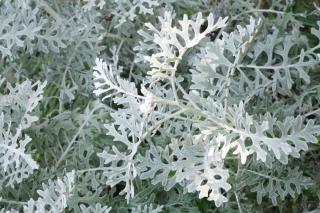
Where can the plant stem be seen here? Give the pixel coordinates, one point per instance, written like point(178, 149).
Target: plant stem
point(174, 89)
point(263, 175)
point(74, 138)
point(12, 202)
point(161, 121)
point(238, 202)
point(188, 96)
point(91, 170)
point(312, 112)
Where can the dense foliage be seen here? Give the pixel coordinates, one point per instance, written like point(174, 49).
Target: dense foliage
point(159, 106)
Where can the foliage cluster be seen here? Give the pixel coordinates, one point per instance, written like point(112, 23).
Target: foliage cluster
point(159, 106)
